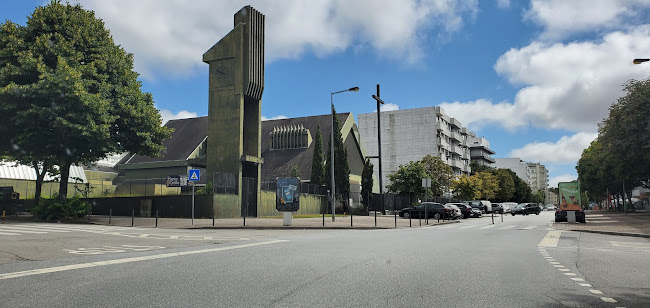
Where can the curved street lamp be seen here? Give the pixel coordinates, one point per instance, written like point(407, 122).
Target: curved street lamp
point(639, 61)
point(354, 89)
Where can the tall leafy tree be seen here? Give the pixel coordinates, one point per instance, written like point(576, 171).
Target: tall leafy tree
point(466, 187)
point(506, 185)
point(72, 91)
point(367, 181)
point(341, 166)
point(476, 167)
point(440, 174)
point(523, 192)
point(489, 185)
point(317, 167)
point(407, 180)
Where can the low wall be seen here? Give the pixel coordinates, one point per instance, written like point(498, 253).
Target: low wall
point(309, 204)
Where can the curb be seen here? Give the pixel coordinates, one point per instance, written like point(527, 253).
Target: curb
point(311, 228)
point(614, 233)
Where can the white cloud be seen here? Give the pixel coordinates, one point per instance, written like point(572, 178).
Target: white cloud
point(566, 150)
point(562, 18)
point(503, 4)
point(552, 182)
point(172, 36)
point(565, 86)
point(278, 117)
point(389, 107)
point(169, 115)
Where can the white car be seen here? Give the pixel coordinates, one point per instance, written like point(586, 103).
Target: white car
point(457, 213)
point(508, 206)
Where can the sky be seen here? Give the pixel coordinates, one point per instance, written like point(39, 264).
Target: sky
point(532, 77)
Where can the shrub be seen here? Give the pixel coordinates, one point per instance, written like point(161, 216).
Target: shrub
point(49, 209)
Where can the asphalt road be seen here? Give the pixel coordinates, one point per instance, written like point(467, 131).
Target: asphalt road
point(516, 263)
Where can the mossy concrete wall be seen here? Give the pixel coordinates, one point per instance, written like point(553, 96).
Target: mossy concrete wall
point(226, 206)
point(309, 204)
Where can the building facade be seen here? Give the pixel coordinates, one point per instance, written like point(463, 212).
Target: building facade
point(517, 165)
point(538, 176)
point(411, 134)
point(479, 150)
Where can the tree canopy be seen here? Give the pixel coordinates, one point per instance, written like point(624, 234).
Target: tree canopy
point(69, 93)
point(407, 180)
point(317, 166)
point(341, 166)
point(440, 174)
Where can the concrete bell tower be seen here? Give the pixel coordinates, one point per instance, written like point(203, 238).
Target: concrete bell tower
point(236, 84)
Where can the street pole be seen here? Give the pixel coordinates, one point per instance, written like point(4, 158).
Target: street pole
point(381, 186)
point(192, 203)
point(332, 160)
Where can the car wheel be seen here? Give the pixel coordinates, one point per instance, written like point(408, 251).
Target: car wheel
point(537, 213)
point(407, 215)
point(436, 216)
point(464, 216)
point(513, 214)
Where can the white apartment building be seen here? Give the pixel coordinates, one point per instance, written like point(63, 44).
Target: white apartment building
point(517, 165)
point(479, 150)
point(411, 134)
point(538, 176)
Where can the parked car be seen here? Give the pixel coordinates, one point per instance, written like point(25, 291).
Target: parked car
point(508, 206)
point(561, 216)
point(465, 209)
point(484, 205)
point(434, 210)
point(456, 212)
point(550, 207)
point(497, 208)
point(526, 209)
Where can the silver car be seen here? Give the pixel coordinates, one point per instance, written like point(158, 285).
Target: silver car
point(508, 206)
point(456, 211)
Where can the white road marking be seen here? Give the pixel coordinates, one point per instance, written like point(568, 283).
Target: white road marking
point(570, 274)
point(529, 228)
point(23, 231)
point(128, 260)
point(447, 227)
point(554, 262)
point(467, 227)
point(577, 279)
point(488, 227)
point(42, 229)
point(609, 300)
point(7, 233)
point(551, 239)
point(508, 227)
point(557, 265)
point(596, 291)
point(563, 269)
point(585, 285)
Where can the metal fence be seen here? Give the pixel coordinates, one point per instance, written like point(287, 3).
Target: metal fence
point(224, 183)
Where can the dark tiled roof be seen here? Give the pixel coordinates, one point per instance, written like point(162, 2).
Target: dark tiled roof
point(186, 137)
point(278, 163)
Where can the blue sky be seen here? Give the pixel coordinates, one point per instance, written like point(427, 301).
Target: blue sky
point(533, 77)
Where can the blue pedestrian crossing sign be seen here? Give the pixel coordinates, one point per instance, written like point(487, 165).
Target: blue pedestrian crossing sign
point(194, 175)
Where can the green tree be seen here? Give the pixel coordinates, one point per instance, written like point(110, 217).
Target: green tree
point(367, 182)
point(295, 172)
point(476, 167)
point(317, 166)
point(439, 173)
point(72, 91)
point(506, 185)
point(341, 166)
point(538, 196)
point(523, 192)
point(489, 185)
point(466, 187)
point(407, 180)
point(595, 170)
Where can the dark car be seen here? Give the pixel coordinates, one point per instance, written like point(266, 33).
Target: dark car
point(561, 216)
point(497, 208)
point(434, 210)
point(465, 209)
point(526, 209)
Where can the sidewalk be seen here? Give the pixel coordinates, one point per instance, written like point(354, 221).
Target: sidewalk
point(342, 222)
point(632, 224)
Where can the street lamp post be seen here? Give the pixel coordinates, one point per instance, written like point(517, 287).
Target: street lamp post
point(639, 61)
point(381, 186)
point(355, 89)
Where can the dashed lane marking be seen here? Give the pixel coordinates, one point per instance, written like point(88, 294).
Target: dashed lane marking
point(585, 285)
point(23, 231)
point(467, 227)
point(596, 291)
point(7, 233)
point(128, 260)
point(570, 274)
point(488, 227)
point(577, 279)
point(529, 228)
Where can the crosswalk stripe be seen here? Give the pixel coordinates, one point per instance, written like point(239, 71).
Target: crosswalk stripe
point(508, 227)
point(23, 231)
point(447, 227)
point(32, 228)
point(488, 227)
point(467, 227)
point(7, 233)
point(530, 228)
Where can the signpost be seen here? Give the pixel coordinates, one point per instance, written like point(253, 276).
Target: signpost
point(194, 175)
point(287, 198)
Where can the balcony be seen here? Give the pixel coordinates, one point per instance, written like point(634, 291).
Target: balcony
point(439, 126)
point(456, 135)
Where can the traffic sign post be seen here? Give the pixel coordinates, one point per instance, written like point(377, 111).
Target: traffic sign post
point(194, 175)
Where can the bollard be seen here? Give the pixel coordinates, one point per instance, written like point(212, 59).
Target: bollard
point(492, 217)
point(420, 218)
point(410, 220)
point(395, 214)
point(426, 215)
point(350, 218)
point(156, 218)
point(110, 215)
point(375, 218)
point(213, 215)
point(3, 216)
point(501, 216)
point(132, 217)
point(323, 218)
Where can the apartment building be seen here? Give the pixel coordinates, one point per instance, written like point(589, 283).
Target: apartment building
point(517, 165)
point(538, 176)
point(479, 150)
point(411, 134)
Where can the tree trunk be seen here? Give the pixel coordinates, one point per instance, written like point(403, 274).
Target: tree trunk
point(40, 175)
point(63, 184)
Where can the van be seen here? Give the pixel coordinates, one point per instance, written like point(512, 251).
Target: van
point(483, 205)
